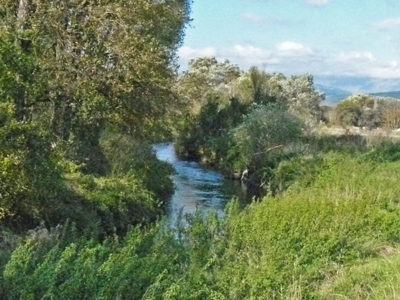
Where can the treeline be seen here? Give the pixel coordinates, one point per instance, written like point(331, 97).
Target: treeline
point(85, 88)
point(245, 122)
point(248, 123)
point(365, 111)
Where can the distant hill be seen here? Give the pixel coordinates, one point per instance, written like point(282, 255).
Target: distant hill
point(387, 94)
point(332, 95)
point(338, 87)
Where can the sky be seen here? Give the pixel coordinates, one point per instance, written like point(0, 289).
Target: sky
point(326, 38)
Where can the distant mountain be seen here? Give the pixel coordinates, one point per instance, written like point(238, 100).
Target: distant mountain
point(332, 95)
point(387, 94)
point(355, 84)
point(337, 88)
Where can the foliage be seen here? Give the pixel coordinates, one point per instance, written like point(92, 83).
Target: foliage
point(327, 237)
point(69, 70)
point(81, 85)
point(244, 120)
point(295, 94)
point(78, 66)
point(264, 132)
point(391, 115)
point(30, 181)
point(128, 156)
point(37, 185)
point(208, 137)
point(359, 110)
point(204, 77)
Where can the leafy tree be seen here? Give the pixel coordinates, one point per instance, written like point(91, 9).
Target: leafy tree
point(69, 69)
point(391, 114)
point(30, 181)
point(359, 110)
point(205, 76)
point(265, 134)
point(348, 113)
point(296, 94)
point(108, 61)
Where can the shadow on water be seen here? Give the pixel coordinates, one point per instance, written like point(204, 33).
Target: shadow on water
point(197, 188)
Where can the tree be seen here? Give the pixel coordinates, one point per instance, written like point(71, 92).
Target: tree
point(391, 115)
point(296, 94)
point(68, 70)
point(206, 76)
point(98, 62)
point(77, 67)
point(359, 110)
point(265, 132)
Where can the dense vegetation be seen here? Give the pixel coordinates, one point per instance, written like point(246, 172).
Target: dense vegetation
point(82, 84)
point(87, 86)
point(333, 234)
point(245, 122)
point(368, 112)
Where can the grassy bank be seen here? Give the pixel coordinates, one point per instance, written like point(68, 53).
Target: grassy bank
point(333, 234)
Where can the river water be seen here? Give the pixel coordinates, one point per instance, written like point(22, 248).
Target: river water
point(197, 188)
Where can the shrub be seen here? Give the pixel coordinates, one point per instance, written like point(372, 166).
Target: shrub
point(30, 181)
point(264, 136)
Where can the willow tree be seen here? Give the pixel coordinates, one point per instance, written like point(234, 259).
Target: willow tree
point(80, 64)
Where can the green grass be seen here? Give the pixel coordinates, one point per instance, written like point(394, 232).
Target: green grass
point(333, 234)
point(373, 278)
point(300, 238)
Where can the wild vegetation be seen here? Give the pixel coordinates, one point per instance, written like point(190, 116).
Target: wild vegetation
point(82, 85)
point(245, 122)
point(333, 234)
point(87, 87)
point(368, 112)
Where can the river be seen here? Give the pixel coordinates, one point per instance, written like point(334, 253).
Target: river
point(197, 188)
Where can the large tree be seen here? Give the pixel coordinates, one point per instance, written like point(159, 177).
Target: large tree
point(90, 62)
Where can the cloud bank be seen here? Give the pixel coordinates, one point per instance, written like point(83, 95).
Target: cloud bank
point(291, 57)
point(388, 23)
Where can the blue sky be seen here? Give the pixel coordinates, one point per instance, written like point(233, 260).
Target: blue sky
point(349, 38)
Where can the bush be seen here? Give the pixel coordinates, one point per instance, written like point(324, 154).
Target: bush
point(265, 137)
point(359, 110)
point(30, 181)
point(128, 156)
point(37, 184)
point(329, 234)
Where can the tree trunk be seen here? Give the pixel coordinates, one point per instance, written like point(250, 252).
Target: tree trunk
point(21, 110)
point(22, 14)
point(24, 8)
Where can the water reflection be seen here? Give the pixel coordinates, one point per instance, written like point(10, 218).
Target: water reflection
point(196, 187)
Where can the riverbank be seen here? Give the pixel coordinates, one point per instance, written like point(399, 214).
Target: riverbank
point(334, 233)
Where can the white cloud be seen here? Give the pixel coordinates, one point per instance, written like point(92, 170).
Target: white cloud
point(318, 2)
point(189, 53)
point(388, 23)
point(186, 53)
point(248, 55)
point(354, 55)
point(294, 58)
point(290, 48)
point(249, 51)
point(362, 64)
